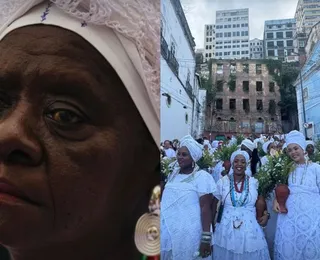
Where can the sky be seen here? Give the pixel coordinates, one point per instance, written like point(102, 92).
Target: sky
point(201, 12)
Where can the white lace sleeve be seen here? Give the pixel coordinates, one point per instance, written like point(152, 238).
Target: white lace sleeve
point(204, 183)
point(317, 174)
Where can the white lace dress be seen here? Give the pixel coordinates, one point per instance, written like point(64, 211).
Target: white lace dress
point(247, 242)
point(298, 231)
point(181, 226)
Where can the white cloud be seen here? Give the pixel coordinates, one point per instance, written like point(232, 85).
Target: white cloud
point(204, 12)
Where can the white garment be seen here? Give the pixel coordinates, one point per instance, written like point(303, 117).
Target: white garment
point(264, 160)
point(170, 153)
point(218, 169)
point(181, 226)
point(247, 242)
point(298, 231)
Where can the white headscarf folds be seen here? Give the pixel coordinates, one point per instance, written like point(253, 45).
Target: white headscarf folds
point(266, 145)
point(310, 142)
point(239, 152)
point(195, 149)
point(295, 137)
point(249, 144)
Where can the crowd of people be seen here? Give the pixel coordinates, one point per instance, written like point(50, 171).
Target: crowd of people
point(211, 213)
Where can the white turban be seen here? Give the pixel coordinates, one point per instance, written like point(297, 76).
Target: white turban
point(266, 145)
point(206, 142)
point(310, 142)
point(215, 144)
point(295, 137)
point(249, 144)
point(195, 149)
point(239, 152)
point(126, 33)
point(284, 146)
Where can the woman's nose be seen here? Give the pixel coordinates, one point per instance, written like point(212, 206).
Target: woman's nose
point(18, 144)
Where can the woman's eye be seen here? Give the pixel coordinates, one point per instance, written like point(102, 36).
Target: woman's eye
point(65, 117)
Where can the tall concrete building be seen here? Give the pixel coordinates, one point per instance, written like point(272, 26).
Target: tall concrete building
point(279, 41)
point(209, 41)
point(232, 34)
point(256, 49)
point(307, 15)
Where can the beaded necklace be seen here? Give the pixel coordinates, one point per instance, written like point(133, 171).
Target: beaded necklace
point(239, 202)
point(294, 174)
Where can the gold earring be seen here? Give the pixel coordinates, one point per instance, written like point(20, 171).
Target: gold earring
point(147, 232)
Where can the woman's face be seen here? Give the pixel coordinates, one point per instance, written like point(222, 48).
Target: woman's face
point(239, 165)
point(296, 153)
point(310, 149)
point(272, 146)
point(64, 119)
point(184, 158)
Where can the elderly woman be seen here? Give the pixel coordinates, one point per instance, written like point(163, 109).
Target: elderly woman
point(238, 235)
point(298, 231)
point(74, 84)
point(186, 207)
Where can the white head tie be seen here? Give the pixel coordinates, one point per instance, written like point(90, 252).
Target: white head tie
point(195, 149)
point(249, 144)
point(126, 33)
point(266, 145)
point(310, 142)
point(239, 152)
point(295, 137)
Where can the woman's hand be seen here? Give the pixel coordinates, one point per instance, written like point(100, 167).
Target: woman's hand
point(276, 206)
point(264, 220)
point(205, 250)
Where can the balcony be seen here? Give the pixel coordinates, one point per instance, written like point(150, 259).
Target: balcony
point(164, 48)
point(173, 63)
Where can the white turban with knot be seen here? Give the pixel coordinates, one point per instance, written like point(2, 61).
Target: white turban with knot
point(207, 142)
point(249, 144)
point(295, 137)
point(266, 145)
point(310, 142)
point(239, 152)
point(195, 149)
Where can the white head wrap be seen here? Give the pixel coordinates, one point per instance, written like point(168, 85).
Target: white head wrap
point(207, 142)
point(295, 137)
point(215, 144)
point(195, 149)
point(249, 144)
point(266, 145)
point(284, 146)
point(310, 142)
point(239, 152)
point(126, 33)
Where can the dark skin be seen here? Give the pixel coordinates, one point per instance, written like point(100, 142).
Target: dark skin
point(64, 116)
point(239, 168)
point(186, 163)
point(310, 149)
point(246, 149)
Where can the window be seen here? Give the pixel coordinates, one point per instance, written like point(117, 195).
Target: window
point(290, 43)
point(245, 68)
point(280, 53)
point(270, 52)
point(219, 68)
point(246, 105)
point(207, 47)
point(259, 86)
point(232, 104)
point(219, 85)
point(219, 104)
point(269, 35)
point(209, 55)
point(259, 105)
point(272, 107)
point(279, 35)
point(280, 43)
point(206, 55)
point(271, 87)
point(244, 33)
point(259, 127)
point(258, 69)
point(245, 86)
point(270, 44)
point(289, 34)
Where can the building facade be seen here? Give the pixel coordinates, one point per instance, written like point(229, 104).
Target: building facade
point(279, 38)
point(308, 92)
point(313, 39)
point(232, 34)
point(209, 41)
point(246, 100)
point(307, 15)
point(178, 81)
point(256, 49)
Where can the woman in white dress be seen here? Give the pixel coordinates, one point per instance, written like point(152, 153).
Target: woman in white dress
point(186, 207)
point(267, 147)
point(238, 235)
point(298, 231)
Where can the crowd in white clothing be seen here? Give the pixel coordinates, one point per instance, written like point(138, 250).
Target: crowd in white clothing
point(215, 217)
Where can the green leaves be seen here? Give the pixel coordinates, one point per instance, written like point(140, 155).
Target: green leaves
point(225, 152)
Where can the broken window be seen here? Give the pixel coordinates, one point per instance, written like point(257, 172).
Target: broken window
point(271, 86)
point(232, 104)
point(245, 68)
point(245, 86)
point(259, 105)
point(259, 85)
point(219, 85)
point(258, 69)
point(246, 105)
point(219, 103)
